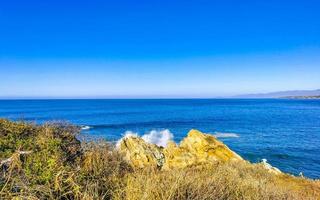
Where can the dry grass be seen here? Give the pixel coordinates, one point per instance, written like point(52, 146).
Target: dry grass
point(222, 181)
point(59, 167)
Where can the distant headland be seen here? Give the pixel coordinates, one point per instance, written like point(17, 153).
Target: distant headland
point(292, 94)
point(302, 97)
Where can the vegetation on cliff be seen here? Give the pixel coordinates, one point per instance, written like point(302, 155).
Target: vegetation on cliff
point(49, 162)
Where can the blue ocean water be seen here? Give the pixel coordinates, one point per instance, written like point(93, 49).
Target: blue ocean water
point(285, 132)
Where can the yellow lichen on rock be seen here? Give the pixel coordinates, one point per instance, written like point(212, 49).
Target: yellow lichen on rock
point(196, 148)
point(206, 146)
point(177, 157)
point(140, 153)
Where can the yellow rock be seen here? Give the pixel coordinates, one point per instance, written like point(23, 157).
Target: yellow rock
point(141, 154)
point(196, 148)
point(177, 157)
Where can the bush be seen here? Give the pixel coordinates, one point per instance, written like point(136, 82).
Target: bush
point(49, 162)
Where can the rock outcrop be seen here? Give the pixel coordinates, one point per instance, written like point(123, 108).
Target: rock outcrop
point(197, 148)
point(140, 153)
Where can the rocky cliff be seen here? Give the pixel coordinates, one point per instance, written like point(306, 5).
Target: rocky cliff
point(197, 148)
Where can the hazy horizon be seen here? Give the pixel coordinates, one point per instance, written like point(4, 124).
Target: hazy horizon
point(102, 97)
point(167, 49)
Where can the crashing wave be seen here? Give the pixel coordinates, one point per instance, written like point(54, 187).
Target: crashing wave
point(158, 137)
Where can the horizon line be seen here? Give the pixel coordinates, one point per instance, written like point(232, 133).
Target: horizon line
point(233, 96)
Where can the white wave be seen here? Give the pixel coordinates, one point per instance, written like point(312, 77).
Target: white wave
point(126, 135)
point(269, 166)
point(129, 134)
point(85, 127)
point(226, 135)
point(160, 138)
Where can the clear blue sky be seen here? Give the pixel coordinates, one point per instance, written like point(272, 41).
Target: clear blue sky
point(58, 49)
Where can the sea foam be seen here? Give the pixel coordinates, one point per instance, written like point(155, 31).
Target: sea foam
point(158, 137)
point(226, 135)
point(85, 127)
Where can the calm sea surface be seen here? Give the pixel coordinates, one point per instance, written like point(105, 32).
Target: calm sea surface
point(285, 132)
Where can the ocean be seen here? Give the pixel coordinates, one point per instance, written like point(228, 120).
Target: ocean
point(285, 132)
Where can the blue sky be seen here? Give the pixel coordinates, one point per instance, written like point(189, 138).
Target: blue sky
point(75, 49)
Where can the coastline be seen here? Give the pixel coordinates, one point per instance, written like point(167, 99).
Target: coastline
point(64, 167)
